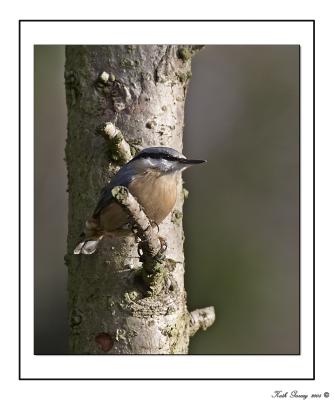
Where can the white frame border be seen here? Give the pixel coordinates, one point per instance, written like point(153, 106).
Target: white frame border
point(167, 367)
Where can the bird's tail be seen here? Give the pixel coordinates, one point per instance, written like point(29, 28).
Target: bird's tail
point(91, 236)
point(87, 246)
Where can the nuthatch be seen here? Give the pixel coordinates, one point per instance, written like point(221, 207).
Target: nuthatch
point(151, 177)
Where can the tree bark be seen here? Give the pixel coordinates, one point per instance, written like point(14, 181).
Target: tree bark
point(121, 99)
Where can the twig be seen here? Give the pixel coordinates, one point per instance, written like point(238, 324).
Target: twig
point(119, 146)
point(202, 318)
point(151, 244)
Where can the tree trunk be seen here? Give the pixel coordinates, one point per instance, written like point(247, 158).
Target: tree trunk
point(121, 99)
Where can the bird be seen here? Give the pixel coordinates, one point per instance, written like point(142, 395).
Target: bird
point(151, 177)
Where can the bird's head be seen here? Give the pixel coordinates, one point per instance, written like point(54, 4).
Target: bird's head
point(163, 159)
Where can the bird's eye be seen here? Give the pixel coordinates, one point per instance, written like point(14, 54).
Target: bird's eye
point(169, 157)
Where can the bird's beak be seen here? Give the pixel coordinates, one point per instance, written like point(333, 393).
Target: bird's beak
point(191, 162)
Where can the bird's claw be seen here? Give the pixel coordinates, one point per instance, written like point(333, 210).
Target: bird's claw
point(159, 257)
point(153, 223)
point(163, 244)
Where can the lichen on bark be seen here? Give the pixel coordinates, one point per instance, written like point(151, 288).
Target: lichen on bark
point(121, 99)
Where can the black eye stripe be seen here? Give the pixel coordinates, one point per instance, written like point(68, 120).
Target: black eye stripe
point(156, 156)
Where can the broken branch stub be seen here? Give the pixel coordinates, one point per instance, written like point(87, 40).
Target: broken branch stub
point(120, 148)
point(150, 243)
point(201, 318)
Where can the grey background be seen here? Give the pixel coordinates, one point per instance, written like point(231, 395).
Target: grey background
point(241, 219)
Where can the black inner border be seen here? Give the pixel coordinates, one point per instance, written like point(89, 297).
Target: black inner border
point(19, 210)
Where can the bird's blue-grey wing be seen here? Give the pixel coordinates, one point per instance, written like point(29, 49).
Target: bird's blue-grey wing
point(123, 178)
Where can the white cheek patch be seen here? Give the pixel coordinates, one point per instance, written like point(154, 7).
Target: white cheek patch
point(149, 162)
point(160, 164)
point(167, 165)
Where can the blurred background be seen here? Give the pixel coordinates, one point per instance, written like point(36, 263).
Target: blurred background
point(241, 222)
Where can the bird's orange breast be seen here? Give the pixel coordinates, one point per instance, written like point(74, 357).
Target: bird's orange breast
point(155, 193)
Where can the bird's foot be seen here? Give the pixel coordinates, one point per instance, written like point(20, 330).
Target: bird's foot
point(154, 224)
point(159, 257)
